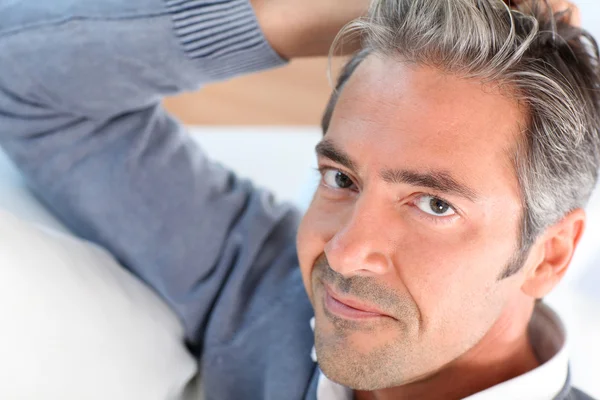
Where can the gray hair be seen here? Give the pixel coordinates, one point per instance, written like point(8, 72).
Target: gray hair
point(550, 67)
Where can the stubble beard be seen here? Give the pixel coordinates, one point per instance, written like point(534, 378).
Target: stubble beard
point(362, 356)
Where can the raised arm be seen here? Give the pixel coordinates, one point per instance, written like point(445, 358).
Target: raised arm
point(80, 90)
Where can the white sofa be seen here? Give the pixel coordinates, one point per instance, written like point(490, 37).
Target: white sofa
point(76, 326)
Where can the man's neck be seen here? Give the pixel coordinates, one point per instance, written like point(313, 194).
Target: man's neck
point(505, 352)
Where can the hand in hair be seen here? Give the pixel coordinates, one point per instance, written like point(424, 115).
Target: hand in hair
point(563, 9)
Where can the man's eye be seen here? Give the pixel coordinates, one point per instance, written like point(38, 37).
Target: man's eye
point(434, 206)
point(337, 180)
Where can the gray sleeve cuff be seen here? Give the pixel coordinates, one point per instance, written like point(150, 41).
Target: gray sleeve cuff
point(222, 36)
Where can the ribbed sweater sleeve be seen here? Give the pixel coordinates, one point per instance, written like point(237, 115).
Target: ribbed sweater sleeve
point(101, 58)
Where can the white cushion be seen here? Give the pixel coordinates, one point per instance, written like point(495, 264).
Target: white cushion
point(75, 325)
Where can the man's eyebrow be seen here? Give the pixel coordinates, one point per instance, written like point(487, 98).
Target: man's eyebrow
point(437, 180)
point(327, 149)
point(440, 181)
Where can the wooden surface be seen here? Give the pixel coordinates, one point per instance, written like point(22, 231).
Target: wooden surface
point(292, 95)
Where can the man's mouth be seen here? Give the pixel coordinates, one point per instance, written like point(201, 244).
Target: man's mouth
point(349, 308)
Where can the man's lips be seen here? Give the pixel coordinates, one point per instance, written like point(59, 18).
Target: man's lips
point(349, 308)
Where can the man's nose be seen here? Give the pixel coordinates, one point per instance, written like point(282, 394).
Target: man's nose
point(361, 245)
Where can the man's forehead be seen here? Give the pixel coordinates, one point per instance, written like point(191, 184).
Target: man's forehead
point(410, 115)
point(395, 81)
point(386, 94)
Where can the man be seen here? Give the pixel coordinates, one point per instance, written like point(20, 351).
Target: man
point(459, 150)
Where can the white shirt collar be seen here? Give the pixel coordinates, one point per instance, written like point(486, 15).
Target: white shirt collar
point(548, 338)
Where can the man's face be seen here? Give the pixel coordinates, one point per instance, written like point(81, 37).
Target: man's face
point(416, 217)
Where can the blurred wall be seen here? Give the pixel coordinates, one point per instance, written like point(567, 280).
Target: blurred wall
point(295, 94)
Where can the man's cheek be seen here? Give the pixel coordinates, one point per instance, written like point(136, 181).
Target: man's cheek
point(434, 276)
point(310, 243)
point(450, 290)
point(320, 224)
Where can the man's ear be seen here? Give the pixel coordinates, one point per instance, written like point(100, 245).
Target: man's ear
point(554, 253)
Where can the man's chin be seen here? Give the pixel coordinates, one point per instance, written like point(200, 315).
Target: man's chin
point(356, 363)
point(353, 378)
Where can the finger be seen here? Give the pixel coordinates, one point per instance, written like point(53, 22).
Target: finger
point(569, 11)
point(572, 14)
